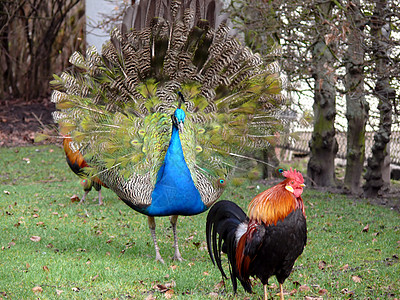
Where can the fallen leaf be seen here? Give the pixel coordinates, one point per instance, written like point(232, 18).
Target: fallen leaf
point(76, 289)
point(304, 288)
point(75, 198)
point(313, 298)
point(35, 238)
point(366, 228)
point(321, 265)
point(347, 291)
point(292, 292)
point(168, 294)
point(59, 292)
point(323, 291)
point(17, 224)
point(95, 277)
point(150, 297)
point(45, 268)
point(37, 289)
point(219, 285)
point(6, 192)
point(345, 267)
point(39, 223)
point(356, 278)
point(206, 273)
point(35, 216)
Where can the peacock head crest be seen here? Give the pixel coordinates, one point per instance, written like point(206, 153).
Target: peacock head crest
point(178, 119)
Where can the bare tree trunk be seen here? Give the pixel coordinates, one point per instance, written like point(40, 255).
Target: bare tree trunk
point(323, 144)
point(380, 160)
point(356, 106)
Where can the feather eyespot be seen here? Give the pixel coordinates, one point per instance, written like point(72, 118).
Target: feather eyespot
point(221, 182)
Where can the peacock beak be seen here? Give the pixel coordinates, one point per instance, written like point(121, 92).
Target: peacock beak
point(180, 126)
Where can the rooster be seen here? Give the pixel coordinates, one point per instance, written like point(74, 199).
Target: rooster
point(268, 241)
point(77, 164)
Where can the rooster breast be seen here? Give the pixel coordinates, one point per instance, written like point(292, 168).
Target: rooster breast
point(281, 245)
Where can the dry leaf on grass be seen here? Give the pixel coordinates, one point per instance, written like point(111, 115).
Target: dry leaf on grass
point(321, 265)
point(37, 289)
point(74, 198)
point(304, 288)
point(35, 238)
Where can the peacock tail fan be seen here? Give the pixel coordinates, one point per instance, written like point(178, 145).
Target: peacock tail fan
point(119, 104)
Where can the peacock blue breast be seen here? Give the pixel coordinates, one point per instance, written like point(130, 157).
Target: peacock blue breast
point(175, 192)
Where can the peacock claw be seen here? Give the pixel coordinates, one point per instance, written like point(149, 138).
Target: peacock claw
point(179, 258)
point(159, 258)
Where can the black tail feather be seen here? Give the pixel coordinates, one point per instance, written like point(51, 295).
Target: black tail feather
point(223, 219)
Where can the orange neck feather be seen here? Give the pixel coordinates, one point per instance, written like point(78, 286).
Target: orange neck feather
point(74, 157)
point(274, 204)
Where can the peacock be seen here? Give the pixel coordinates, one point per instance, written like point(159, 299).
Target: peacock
point(167, 109)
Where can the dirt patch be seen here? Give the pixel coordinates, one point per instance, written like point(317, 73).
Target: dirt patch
point(21, 119)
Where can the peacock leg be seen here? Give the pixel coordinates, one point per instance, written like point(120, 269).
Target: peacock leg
point(173, 219)
point(152, 226)
point(84, 197)
point(281, 291)
point(100, 198)
point(265, 291)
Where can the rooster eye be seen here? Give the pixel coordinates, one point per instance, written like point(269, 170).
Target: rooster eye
point(292, 182)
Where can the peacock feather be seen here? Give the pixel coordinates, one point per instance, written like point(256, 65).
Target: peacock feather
point(168, 60)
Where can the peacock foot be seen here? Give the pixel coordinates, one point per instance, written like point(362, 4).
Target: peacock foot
point(177, 256)
point(159, 258)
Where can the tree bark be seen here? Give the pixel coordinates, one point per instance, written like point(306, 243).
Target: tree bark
point(379, 163)
point(323, 144)
point(356, 106)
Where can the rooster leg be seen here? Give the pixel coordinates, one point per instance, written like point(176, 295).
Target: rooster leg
point(100, 198)
point(173, 220)
point(84, 197)
point(281, 291)
point(152, 226)
point(265, 291)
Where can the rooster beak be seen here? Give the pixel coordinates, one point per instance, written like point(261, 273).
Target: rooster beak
point(302, 185)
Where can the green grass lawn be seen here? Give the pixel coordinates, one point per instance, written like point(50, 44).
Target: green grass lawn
point(92, 252)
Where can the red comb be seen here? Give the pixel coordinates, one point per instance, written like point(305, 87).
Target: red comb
point(293, 174)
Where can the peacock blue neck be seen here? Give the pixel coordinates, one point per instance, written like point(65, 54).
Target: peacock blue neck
point(174, 192)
